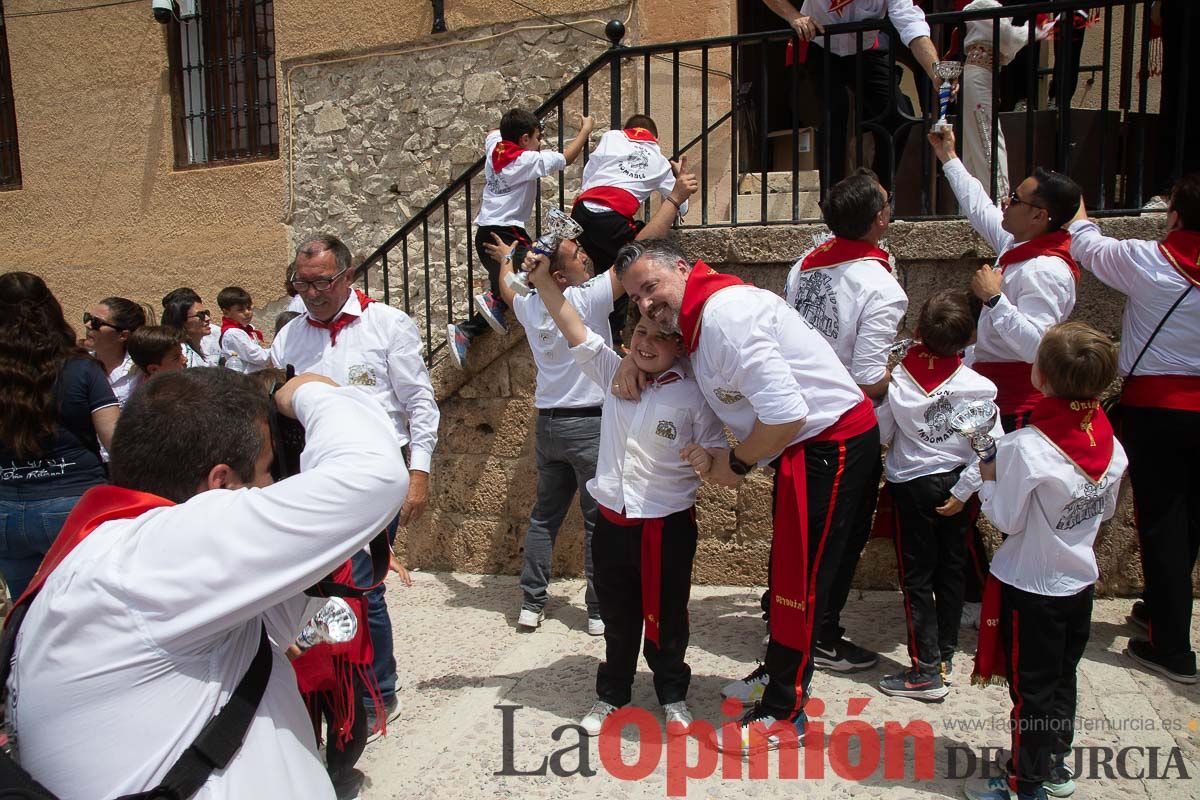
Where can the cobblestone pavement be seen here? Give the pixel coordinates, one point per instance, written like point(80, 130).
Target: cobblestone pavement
point(460, 655)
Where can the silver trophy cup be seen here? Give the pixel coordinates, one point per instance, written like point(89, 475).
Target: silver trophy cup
point(556, 226)
point(975, 420)
point(949, 72)
point(335, 623)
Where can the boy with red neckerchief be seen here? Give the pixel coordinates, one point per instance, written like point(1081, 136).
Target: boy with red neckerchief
point(931, 473)
point(1160, 414)
point(241, 342)
point(1049, 487)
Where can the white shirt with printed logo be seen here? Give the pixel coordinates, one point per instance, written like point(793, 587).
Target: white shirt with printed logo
point(379, 352)
point(908, 19)
point(1051, 511)
point(638, 167)
point(758, 360)
point(639, 470)
point(856, 306)
point(560, 382)
point(916, 425)
point(508, 195)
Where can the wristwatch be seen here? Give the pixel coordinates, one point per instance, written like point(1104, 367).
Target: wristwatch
point(992, 301)
point(736, 465)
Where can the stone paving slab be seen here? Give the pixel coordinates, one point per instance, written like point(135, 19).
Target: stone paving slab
point(460, 655)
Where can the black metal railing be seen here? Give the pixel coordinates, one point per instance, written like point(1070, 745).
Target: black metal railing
point(736, 112)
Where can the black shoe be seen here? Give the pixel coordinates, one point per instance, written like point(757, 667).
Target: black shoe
point(760, 731)
point(1139, 615)
point(347, 784)
point(919, 684)
point(1181, 669)
point(391, 708)
point(843, 656)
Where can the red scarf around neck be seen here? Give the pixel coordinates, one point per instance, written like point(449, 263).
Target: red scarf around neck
point(504, 153)
point(928, 370)
point(1182, 251)
point(1056, 243)
point(838, 251)
point(228, 324)
point(342, 319)
point(1080, 429)
point(702, 283)
point(640, 135)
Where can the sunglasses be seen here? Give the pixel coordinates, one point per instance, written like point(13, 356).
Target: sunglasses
point(95, 323)
point(1015, 200)
point(203, 316)
point(320, 284)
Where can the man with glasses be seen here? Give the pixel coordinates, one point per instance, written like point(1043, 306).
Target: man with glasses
point(1032, 289)
point(346, 336)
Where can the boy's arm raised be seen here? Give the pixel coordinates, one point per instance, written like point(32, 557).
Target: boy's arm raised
point(579, 142)
point(563, 313)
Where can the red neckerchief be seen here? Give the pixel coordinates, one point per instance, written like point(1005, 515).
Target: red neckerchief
point(928, 370)
point(1182, 251)
point(1079, 429)
point(342, 319)
point(504, 153)
point(836, 6)
point(838, 251)
point(98, 505)
point(1056, 243)
point(667, 376)
point(228, 324)
point(702, 283)
point(640, 135)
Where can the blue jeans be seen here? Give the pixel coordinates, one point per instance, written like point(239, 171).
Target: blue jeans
point(567, 449)
point(27, 529)
point(378, 621)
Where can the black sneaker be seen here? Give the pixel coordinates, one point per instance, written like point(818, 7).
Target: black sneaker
point(917, 683)
point(843, 656)
point(1139, 615)
point(1141, 651)
point(391, 708)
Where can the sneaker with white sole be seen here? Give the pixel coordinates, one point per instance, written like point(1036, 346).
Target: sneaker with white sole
point(458, 342)
point(1181, 669)
point(595, 626)
point(677, 713)
point(491, 308)
point(760, 731)
point(970, 615)
point(919, 684)
point(593, 721)
point(1062, 780)
point(391, 710)
point(530, 618)
point(997, 789)
point(749, 690)
point(843, 656)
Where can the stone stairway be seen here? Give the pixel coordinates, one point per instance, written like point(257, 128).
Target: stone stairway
point(779, 196)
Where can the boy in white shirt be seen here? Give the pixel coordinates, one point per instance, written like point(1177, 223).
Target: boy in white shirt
point(1049, 487)
point(931, 473)
point(651, 455)
point(513, 164)
point(241, 343)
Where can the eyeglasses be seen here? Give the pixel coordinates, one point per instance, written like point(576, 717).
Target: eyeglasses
point(1015, 200)
point(95, 323)
point(320, 284)
point(203, 316)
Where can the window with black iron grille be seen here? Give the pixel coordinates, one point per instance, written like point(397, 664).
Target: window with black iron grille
point(10, 160)
point(222, 59)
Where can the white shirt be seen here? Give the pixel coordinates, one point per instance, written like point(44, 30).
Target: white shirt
point(211, 345)
point(1051, 512)
point(758, 360)
point(856, 306)
point(141, 634)
point(916, 426)
point(124, 379)
point(639, 470)
point(979, 32)
point(908, 19)
point(1139, 270)
point(380, 352)
point(638, 167)
point(243, 352)
point(195, 358)
point(1034, 294)
point(560, 383)
point(508, 195)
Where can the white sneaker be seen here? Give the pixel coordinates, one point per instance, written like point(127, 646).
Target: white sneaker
point(595, 626)
point(594, 720)
point(1156, 203)
point(530, 618)
point(677, 713)
point(749, 690)
point(970, 615)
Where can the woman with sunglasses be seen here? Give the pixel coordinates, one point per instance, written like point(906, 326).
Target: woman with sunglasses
point(55, 403)
point(183, 309)
point(106, 329)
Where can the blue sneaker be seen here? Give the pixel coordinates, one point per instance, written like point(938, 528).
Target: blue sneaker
point(492, 310)
point(997, 789)
point(459, 342)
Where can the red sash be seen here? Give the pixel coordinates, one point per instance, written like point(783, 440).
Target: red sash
point(1056, 243)
point(929, 371)
point(1179, 392)
point(640, 135)
point(838, 251)
point(652, 533)
point(1182, 251)
point(1015, 393)
point(619, 200)
point(227, 324)
point(1079, 429)
point(991, 660)
point(342, 319)
point(702, 283)
point(98, 505)
point(504, 153)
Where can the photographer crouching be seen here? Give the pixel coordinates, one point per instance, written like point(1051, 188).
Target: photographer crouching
point(189, 584)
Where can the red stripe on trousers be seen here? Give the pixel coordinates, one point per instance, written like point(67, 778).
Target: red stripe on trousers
point(908, 619)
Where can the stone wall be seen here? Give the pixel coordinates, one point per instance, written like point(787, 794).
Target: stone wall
point(484, 473)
